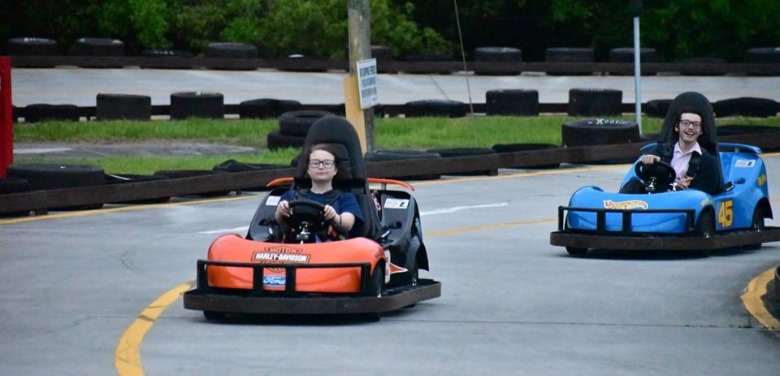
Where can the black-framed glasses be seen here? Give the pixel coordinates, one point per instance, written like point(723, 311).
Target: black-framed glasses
point(688, 123)
point(327, 163)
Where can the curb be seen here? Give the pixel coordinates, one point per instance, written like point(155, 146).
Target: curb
point(755, 298)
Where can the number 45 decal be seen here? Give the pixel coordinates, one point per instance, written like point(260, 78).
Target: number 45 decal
point(726, 213)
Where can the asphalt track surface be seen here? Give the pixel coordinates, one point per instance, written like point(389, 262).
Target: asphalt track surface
point(98, 293)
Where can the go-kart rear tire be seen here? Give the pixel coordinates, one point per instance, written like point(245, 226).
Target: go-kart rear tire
point(757, 225)
point(705, 228)
point(212, 315)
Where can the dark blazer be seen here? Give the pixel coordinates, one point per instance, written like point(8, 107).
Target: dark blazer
point(706, 176)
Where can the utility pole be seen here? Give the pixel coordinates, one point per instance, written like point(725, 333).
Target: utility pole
point(359, 21)
point(636, 10)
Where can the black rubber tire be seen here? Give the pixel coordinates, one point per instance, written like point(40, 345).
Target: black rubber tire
point(757, 224)
point(298, 123)
point(705, 228)
point(435, 108)
point(763, 55)
point(177, 174)
point(163, 59)
point(382, 54)
point(519, 102)
point(266, 108)
point(595, 102)
point(376, 288)
point(113, 179)
point(400, 155)
point(626, 55)
point(737, 129)
point(231, 50)
point(123, 107)
point(576, 252)
point(277, 140)
point(232, 165)
point(498, 54)
point(197, 104)
point(31, 46)
point(510, 148)
point(599, 132)
point(59, 176)
point(38, 112)
point(657, 107)
point(707, 60)
point(213, 315)
point(466, 152)
point(99, 47)
point(569, 55)
point(745, 106)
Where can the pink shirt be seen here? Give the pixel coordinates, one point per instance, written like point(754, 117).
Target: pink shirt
point(680, 160)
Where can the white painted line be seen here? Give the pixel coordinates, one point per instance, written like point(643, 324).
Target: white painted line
point(459, 208)
point(225, 230)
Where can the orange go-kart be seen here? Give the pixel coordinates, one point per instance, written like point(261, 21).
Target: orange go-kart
point(287, 268)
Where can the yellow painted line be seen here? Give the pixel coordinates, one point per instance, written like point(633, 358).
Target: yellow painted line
point(752, 300)
point(127, 356)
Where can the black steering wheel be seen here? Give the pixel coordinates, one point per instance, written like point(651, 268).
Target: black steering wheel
point(307, 218)
point(656, 177)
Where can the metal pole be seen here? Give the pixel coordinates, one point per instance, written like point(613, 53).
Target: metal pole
point(637, 78)
point(359, 23)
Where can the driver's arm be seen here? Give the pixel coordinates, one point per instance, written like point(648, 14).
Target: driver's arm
point(341, 222)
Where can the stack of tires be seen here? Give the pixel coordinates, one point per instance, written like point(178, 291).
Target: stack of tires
point(293, 128)
point(59, 176)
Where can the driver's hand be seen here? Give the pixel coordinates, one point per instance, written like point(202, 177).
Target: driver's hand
point(684, 183)
point(329, 213)
point(283, 208)
point(649, 159)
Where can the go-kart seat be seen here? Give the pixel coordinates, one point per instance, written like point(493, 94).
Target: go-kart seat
point(351, 176)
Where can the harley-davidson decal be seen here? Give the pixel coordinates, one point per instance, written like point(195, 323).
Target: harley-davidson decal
point(281, 255)
point(632, 204)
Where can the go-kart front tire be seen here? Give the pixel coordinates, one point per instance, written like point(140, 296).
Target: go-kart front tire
point(576, 251)
point(705, 228)
point(212, 315)
point(757, 225)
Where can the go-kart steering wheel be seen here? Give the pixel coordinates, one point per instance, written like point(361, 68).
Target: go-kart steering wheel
point(307, 218)
point(656, 177)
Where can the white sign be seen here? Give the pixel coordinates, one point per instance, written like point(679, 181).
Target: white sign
point(367, 83)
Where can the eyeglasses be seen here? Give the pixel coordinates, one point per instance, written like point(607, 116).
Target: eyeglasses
point(328, 163)
point(688, 123)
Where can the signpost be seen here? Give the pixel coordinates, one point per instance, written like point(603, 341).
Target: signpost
point(6, 116)
point(636, 10)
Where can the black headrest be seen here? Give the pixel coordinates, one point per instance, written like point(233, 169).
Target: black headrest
point(697, 103)
point(343, 139)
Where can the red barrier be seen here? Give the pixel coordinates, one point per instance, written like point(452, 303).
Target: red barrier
point(6, 116)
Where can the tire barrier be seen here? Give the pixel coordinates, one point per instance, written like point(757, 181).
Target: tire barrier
point(466, 152)
point(763, 55)
point(626, 55)
point(123, 107)
point(177, 174)
point(36, 113)
point(435, 108)
point(519, 102)
point(382, 54)
point(737, 130)
point(197, 104)
point(115, 179)
point(595, 102)
point(277, 140)
point(231, 50)
point(718, 63)
point(498, 54)
point(569, 55)
point(599, 132)
point(657, 107)
point(56, 176)
point(511, 148)
point(232, 165)
point(99, 47)
point(298, 123)
point(405, 155)
point(265, 108)
point(168, 59)
point(30, 46)
point(745, 106)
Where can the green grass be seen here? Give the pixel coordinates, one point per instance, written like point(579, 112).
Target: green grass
point(389, 133)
